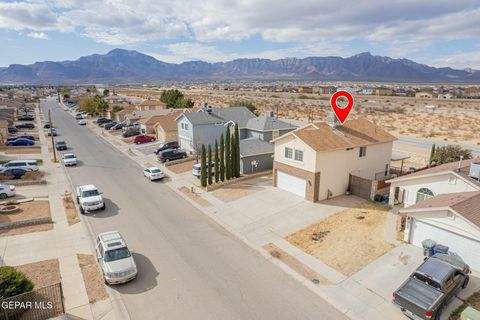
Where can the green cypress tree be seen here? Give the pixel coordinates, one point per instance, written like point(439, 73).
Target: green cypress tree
point(233, 155)
point(217, 163)
point(203, 168)
point(432, 154)
point(236, 137)
point(222, 158)
point(228, 159)
point(209, 168)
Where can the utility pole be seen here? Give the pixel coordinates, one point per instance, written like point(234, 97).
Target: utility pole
point(51, 134)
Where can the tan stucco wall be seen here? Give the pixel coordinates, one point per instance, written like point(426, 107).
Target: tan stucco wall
point(291, 141)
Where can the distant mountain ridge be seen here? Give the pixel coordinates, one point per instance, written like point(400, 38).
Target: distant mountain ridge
point(126, 66)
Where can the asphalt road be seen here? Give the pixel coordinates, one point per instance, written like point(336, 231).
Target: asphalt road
point(189, 267)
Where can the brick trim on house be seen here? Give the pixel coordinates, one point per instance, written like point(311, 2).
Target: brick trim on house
point(312, 179)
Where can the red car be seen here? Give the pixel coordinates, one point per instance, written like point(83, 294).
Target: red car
point(143, 139)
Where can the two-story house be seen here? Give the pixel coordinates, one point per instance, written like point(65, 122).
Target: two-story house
point(320, 160)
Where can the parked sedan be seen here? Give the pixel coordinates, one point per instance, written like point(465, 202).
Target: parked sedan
point(82, 122)
point(22, 136)
point(6, 191)
point(153, 173)
point(26, 118)
point(25, 126)
point(14, 173)
point(46, 125)
point(60, 145)
point(143, 138)
point(166, 146)
point(12, 130)
point(52, 132)
point(118, 126)
point(69, 159)
point(110, 124)
point(20, 143)
point(99, 121)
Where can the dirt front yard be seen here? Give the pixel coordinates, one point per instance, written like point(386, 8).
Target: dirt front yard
point(182, 167)
point(27, 211)
point(347, 241)
point(42, 273)
point(92, 278)
point(242, 189)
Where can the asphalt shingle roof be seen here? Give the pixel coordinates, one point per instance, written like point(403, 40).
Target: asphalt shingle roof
point(265, 123)
point(253, 146)
point(239, 115)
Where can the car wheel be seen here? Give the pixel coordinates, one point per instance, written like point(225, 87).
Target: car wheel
point(184, 156)
point(78, 200)
point(464, 284)
point(3, 196)
point(151, 140)
point(103, 208)
point(167, 160)
point(82, 211)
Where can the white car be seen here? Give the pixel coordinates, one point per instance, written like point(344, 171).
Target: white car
point(114, 258)
point(69, 159)
point(89, 198)
point(153, 173)
point(82, 122)
point(6, 191)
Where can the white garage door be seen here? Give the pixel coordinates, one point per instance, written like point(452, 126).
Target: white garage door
point(468, 249)
point(291, 183)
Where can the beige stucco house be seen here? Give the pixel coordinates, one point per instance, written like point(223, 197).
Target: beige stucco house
point(323, 160)
point(165, 127)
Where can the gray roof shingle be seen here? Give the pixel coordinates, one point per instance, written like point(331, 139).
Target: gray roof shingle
point(239, 115)
point(253, 146)
point(265, 123)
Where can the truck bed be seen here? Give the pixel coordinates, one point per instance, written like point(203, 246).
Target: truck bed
point(417, 296)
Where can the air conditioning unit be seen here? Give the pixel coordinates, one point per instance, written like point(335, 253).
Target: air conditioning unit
point(475, 170)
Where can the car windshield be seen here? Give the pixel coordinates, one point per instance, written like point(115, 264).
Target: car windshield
point(69, 156)
point(117, 254)
point(60, 143)
point(155, 171)
point(90, 193)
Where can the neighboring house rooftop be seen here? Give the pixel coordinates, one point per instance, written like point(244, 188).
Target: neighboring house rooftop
point(354, 133)
point(151, 102)
point(239, 115)
point(268, 123)
point(466, 204)
point(167, 122)
point(253, 146)
point(451, 167)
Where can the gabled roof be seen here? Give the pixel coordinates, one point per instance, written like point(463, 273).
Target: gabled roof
point(353, 133)
point(466, 204)
point(266, 123)
point(167, 122)
point(253, 146)
point(239, 115)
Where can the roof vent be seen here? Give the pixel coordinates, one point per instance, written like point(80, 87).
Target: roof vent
point(475, 170)
point(270, 114)
point(332, 120)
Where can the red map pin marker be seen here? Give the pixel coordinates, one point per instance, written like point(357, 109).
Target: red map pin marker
point(342, 112)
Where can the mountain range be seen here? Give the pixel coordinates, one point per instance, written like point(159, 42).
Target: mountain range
point(126, 66)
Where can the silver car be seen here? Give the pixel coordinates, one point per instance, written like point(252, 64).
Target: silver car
point(115, 259)
point(6, 191)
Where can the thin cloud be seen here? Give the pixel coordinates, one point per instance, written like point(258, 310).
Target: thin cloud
point(38, 35)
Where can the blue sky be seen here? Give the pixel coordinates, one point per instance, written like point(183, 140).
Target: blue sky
point(438, 33)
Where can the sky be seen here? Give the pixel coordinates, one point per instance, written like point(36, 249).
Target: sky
point(435, 32)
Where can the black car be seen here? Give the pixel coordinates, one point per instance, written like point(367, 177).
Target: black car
point(130, 133)
point(103, 124)
point(26, 118)
point(60, 145)
point(25, 126)
point(166, 146)
point(118, 126)
point(102, 120)
point(109, 125)
point(170, 155)
point(22, 136)
point(12, 130)
point(14, 173)
point(47, 125)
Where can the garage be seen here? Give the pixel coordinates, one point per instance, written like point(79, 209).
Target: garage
point(467, 248)
point(291, 183)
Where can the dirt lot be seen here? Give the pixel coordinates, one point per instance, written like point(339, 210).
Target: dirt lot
point(29, 210)
point(182, 167)
point(70, 210)
point(91, 276)
point(21, 150)
point(348, 240)
point(295, 264)
point(242, 189)
point(42, 273)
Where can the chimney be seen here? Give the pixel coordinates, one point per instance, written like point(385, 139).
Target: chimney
point(270, 114)
point(332, 120)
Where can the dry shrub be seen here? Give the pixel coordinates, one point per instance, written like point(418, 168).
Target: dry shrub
point(276, 254)
point(32, 175)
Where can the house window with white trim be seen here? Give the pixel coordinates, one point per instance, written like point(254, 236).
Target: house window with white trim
point(424, 194)
point(275, 134)
point(363, 152)
point(288, 153)
point(186, 126)
point(298, 155)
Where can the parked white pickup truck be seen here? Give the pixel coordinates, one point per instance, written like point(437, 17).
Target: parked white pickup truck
point(89, 198)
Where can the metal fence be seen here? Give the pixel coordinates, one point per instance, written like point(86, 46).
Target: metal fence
point(40, 304)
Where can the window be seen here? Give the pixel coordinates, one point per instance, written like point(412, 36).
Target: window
point(186, 126)
point(275, 134)
point(298, 155)
point(183, 126)
point(288, 153)
point(424, 194)
point(363, 152)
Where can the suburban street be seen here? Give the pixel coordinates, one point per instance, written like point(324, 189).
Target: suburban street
point(189, 267)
